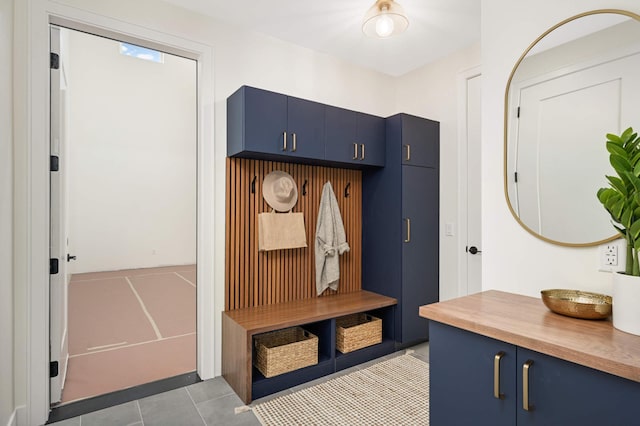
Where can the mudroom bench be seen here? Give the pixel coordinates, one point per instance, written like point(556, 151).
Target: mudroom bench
point(317, 315)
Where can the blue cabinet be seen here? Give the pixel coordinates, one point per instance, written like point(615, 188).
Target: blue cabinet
point(461, 378)
point(419, 248)
point(272, 126)
point(462, 385)
point(564, 393)
point(269, 125)
point(400, 226)
point(354, 137)
point(420, 145)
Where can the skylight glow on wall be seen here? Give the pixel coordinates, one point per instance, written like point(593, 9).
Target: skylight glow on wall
point(141, 52)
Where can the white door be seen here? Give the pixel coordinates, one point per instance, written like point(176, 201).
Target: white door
point(58, 281)
point(474, 208)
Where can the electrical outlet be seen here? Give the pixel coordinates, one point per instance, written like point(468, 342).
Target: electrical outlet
point(612, 256)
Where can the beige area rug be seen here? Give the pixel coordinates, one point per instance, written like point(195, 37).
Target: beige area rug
point(392, 392)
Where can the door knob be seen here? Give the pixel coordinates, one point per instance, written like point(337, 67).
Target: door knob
point(474, 250)
point(70, 258)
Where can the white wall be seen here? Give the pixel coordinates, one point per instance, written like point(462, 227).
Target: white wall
point(132, 163)
point(514, 260)
point(431, 92)
point(6, 211)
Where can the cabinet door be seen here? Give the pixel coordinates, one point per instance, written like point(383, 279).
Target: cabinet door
point(265, 121)
point(419, 248)
point(564, 393)
point(305, 127)
point(354, 137)
point(340, 136)
point(461, 379)
point(420, 141)
point(370, 136)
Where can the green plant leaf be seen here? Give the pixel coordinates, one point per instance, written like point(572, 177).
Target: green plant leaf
point(614, 138)
point(618, 184)
point(620, 164)
point(635, 181)
point(614, 148)
point(616, 209)
point(626, 217)
point(634, 231)
point(625, 135)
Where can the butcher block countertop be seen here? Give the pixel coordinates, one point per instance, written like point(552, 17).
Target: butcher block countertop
point(526, 322)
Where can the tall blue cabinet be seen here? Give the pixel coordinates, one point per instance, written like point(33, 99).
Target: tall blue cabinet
point(400, 223)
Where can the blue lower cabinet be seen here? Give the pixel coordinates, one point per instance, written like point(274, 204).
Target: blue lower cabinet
point(461, 378)
point(564, 393)
point(534, 388)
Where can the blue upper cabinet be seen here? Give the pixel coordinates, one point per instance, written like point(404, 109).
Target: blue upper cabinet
point(419, 142)
point(354, 137)
point(271, 126)
point(256, 122)
point(305, 126)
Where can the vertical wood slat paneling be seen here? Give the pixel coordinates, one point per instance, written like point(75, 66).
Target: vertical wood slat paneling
point(256, 278)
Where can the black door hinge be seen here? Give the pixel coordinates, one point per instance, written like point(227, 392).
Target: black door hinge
point(53, 266)
point(518, 113)
point(515, 177)
point(54, 61)
point(53, 369)
point(55, 163)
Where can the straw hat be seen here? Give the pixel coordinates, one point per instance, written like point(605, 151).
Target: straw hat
point(280, 191)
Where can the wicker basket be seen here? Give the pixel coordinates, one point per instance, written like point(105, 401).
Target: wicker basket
point(285, 350)
point(357, 331)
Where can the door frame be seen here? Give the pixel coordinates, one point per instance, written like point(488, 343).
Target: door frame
point(463, 213)
point(32, 179)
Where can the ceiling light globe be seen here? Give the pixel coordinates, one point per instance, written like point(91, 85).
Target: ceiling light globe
point(384, 19)
point(384, 26)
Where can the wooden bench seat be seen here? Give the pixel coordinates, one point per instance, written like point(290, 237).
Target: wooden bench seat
point(239, 327)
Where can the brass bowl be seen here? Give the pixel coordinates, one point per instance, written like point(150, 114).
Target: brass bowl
point(577, 304)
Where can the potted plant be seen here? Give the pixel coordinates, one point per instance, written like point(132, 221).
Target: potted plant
point(622, 200)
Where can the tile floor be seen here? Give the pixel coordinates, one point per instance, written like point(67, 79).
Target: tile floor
point(211, 402)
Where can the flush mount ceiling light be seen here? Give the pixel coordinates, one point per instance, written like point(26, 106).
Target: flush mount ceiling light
point(384, 19)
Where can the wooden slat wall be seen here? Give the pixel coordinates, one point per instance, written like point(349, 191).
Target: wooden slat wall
point(256, 278)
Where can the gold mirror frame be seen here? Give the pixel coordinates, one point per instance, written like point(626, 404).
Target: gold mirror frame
point(506, 124)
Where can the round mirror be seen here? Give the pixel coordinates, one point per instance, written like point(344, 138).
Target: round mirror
point(577, 82)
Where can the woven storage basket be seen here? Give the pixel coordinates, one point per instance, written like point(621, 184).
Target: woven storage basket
point(285, 350)
point(357, 331)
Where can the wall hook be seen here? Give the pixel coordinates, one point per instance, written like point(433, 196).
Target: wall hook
point(346, 190)
point(304, 187)
point(253, 185)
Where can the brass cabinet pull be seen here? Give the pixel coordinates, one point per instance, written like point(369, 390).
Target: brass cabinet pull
point(525, 385)
point(355, 151)
point(362, 151)
point(284, 141)
point(294, 147)
point(408, 239)
point(496, 375)
point(408, 157)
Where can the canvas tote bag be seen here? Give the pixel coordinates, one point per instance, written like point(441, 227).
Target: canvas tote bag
point(277, 231)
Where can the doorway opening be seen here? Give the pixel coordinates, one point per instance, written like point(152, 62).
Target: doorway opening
point(123, 215)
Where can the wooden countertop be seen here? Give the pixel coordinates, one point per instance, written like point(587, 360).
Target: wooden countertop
point(525, 321)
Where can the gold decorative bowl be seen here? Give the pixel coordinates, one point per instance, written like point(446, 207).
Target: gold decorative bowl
point(577, 304)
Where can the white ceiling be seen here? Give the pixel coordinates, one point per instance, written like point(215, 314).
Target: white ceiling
point(436, 28)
